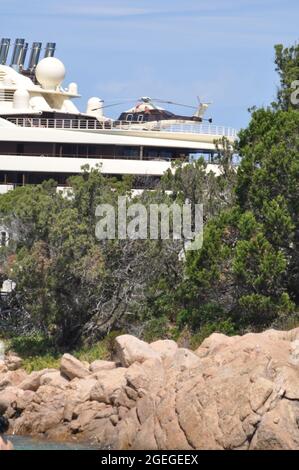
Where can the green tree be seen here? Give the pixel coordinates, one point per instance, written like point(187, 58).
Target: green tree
point(249, 262)
point(71, 286)
point(287, 66)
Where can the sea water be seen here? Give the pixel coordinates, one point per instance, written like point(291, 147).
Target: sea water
point(30, 443)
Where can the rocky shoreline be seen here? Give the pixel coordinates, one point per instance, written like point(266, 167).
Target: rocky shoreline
point(231, 393)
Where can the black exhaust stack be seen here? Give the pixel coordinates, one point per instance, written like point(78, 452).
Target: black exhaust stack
point(24, 53)
point(34, 56)
point(50, 49)
point(17, 54)
point(4, 48)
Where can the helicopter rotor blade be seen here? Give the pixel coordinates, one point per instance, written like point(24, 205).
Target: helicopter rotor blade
point(174, 103)
point(112, 104)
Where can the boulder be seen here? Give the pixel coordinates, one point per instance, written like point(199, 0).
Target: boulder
point(259, 392)
point(165, 348)
point(53, 378)
point(101, 365)
point(183, 359)
point(146, 377)
point(84, 387)
point(51, 396)
point(278, 430)
point(13, 362)
point(130, 349)
point(33, 381)
point(109, 385)
point(216, 342)
point(44, 411)
point(71, 367)
point(287, 380)
point(86, 413)
point(238, 393)
point(3, 367)
point(37, 422)
point(7, 398)
point(68, 411)
point(294, 356)
point(234, 393)
point(24, 399)
point(14, 377)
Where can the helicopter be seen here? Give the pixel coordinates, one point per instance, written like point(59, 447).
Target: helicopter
point(148, 114)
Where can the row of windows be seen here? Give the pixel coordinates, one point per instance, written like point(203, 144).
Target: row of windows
point(91, 151)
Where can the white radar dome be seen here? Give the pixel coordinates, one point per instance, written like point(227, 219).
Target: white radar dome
point(50, 73)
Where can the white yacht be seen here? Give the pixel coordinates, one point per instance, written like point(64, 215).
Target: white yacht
point(43, 134)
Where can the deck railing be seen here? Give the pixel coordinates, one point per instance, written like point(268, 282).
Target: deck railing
point(94, 125)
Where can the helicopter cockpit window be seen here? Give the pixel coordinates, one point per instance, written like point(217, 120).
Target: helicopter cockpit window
point(140, 117)
point(129, 117)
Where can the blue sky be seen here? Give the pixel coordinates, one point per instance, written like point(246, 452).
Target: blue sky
point(221, 50)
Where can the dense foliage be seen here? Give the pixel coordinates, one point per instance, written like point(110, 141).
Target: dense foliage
point(73, 288)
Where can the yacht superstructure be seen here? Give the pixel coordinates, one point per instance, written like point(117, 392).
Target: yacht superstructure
point(44, 135)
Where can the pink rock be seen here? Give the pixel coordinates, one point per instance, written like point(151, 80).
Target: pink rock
point(71, 367)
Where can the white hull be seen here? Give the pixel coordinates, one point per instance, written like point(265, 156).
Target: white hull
point(118, 166)
point(110, 137)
